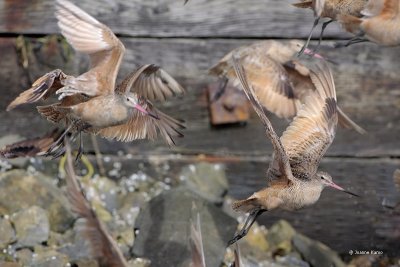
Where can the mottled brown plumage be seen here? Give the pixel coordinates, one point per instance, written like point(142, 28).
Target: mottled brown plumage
point(330, 9)
point(380, 24)
point(92, 102)
point(280, 82)
point(31, 147)
point(293, 178)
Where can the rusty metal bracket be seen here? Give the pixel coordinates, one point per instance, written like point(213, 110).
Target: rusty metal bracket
point(230, 108)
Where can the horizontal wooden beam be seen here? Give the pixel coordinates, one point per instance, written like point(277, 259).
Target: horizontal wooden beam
point(366, 77)
point(169, 18)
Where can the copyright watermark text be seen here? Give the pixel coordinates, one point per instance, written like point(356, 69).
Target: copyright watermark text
point(365, 252)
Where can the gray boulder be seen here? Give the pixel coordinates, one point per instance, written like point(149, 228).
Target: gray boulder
point(7, 233)
point(164, 229)
point(316, 253)
point(31, 226)
point(207, 180)
point(20, 190)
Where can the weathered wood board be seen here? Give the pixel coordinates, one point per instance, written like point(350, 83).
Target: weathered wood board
point(367, 85)
point(169, 18)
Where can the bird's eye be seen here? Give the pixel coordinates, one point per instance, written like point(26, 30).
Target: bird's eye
point(322, 177)
point(127, 99)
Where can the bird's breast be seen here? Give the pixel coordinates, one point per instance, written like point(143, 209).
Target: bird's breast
point(102, 112)
point(300, 196)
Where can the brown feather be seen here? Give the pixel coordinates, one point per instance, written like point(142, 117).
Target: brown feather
point(104, 248)
point(150, 82)
point(281, 161)
point(141, 126)
point(313, 129)
point(196, 244)
point(31, 147)
point(42, 88)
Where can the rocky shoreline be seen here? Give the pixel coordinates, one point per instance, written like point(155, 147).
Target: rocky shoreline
point(149, 219)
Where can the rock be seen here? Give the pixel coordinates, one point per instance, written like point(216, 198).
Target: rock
point(31, 226)
point(316, 253)
point(207, 180)
point(24, 256)
point(49, 259)
point(86, 263)
point(139, 262)
point(28, 190)
point(280, 236)
point(256, 237)
point(164, 229)
point(130, 206)
point(10, 264)
point(292, 261)
point(79, 248)
point(106, 191)
point(7, 233)
point(364, 261)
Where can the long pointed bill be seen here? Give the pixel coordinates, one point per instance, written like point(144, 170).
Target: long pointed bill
point(141, 109)
point(332, 184)
point(312, 53)
point(316, 55)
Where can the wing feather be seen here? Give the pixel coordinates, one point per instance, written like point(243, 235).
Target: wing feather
point(88, 35)
point(151, 82)
point(280, 162)
point(141, 126)
point(313, 129)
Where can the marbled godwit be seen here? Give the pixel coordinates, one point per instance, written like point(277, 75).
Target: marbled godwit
point(330, 9)
point(91, 102)
point(380, 24)
point(293, 176)
point(280, 83)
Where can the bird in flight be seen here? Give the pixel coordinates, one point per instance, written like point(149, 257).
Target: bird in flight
point(91, 102)
point(280, 82)
point(380, 24)
point(293, 178)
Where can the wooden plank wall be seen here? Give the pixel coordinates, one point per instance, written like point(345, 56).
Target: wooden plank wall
point(186, 41)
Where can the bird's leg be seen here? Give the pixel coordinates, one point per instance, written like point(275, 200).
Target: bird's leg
point(359, 38)
point(309, 37)
point(246, 227)
point(221, 89)
point(324, 25)
point(80, 149)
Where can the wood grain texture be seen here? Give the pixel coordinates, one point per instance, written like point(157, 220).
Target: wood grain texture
point(367, 86)
point(169, 18)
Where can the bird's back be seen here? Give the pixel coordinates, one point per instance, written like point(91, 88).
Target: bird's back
point(333, 8)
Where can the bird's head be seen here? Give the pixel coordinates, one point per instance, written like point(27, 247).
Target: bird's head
point(131, 100)
point(326, 180)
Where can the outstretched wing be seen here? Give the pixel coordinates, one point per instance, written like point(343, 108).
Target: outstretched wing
point(42, 88)
point(141, 126)
point(313, 129)
point(267, 77)
point(150, 82)
point(280, 162)
point(88, 35)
